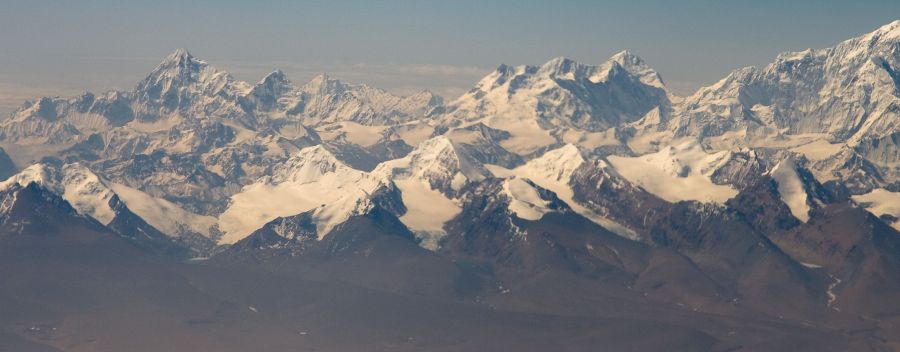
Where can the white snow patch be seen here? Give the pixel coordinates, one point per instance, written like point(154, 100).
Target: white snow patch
point(525, 200)
point(819, 149)
point(677, 173)
point(791, 189)
point(87, 194)
point(810, 265)
point(426, 211)
point(881, 201)
point(361, 134)
point(163, 215)
point(414, 133)
point(37, 173)
point(434, 162)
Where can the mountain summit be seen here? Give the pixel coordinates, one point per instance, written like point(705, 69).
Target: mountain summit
point(566, 205)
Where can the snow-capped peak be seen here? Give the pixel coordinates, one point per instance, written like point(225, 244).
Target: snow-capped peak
point(552, 170)
point(323, 84)
point(83, 189)
point(887, 32)
point(179, 57)
point(40, 174)
point(531, 102)
point(92, 196)
point(311, 180)
point(270, 89)
point(428, 179)
point(307, 165)
point(562, 67)
point(438, 162)
point(276, 76)
point(637, 66)
point(847, 92)
point(180, 65)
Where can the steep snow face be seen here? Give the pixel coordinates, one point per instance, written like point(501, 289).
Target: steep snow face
point(313, 179)
point(881, 202)
point(427, 210)
point(428, 179)
point(677, 173)
point(41, 174)
point(437, 162)
point(638, 67)
point(530, 102)
point(791, 188)
point(87, 194)
point(848, 91)
point(555, 166)
point(91, 196)
point(553, 171)
point(525, 200)
point(164, 215)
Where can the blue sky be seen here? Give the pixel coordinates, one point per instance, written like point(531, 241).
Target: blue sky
point(64, 47)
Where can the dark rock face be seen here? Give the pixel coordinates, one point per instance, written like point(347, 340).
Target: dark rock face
point(7, 166)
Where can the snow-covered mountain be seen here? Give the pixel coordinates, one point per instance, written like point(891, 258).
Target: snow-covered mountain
point(193, 140)
point(773, 191)
point(126, 211)
point(562, 101)
point(206, 160)
point(312, 180)
point(848, 92)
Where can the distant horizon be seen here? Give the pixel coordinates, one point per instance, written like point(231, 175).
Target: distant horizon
point(407, 47)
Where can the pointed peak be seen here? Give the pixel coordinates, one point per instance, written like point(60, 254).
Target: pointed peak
point(441, 141)
point(558, 164)
point(434, 149)
point(274, 77)
point(322, 77)
point(308, 164)
point(504, 68)
point(627, 58)
point(318, 151)
point(569, 149)
point(42, 174)
point(276, 74)
point(180, 52)
point(560, 65)
point(180, 57)
point(787, 163)
point(636, 66)
point(890, 31)
point(559, 60)
point(794, 56)
point(180, 66)
point(323, 83)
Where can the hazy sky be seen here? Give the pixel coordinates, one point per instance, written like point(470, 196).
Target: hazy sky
point(64, 47)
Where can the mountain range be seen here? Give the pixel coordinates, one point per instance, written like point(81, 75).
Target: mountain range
point(580, 205)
